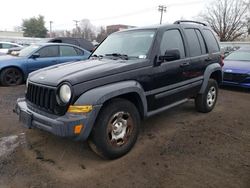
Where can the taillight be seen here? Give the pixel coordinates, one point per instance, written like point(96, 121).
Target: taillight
point(222, 60)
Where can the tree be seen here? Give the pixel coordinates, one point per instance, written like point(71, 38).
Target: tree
point(228, 18)
point(34, 27)
point(87, 30)
point(102, 35)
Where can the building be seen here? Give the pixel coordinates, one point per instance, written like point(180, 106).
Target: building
point(17, 37)
point(113, 28)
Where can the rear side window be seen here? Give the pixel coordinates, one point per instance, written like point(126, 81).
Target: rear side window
point(172, 39)
point(49, 51)
point(79, 52)
point(7, 46)
point(211, 41)
point(202, 42)
point(67, 51)
point(193, 42)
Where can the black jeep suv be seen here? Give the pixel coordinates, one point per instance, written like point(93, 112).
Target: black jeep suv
point(132, 75)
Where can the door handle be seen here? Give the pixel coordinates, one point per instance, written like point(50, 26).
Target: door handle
point(208, 59)
point(184, 64)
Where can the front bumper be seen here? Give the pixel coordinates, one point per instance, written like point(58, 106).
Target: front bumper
point(244, 85)
point(62, 126)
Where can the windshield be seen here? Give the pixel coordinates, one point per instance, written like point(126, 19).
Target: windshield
point(129, 44)
point(28, 50)
point(239, 56)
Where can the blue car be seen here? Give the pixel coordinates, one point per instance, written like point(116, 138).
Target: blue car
point(14, 70)
point(236, 68)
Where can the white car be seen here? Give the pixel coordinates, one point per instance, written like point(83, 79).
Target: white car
point(5, 46)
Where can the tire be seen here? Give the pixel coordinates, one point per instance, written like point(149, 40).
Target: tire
point(11, 77)
point(116, 129)
point(205, 102)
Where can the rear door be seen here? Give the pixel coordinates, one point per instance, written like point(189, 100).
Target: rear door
point(199, 57)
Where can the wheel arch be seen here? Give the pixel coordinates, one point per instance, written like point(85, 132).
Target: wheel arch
point(129, 90)
point(212, 71)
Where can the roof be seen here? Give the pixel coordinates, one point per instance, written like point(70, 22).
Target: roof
point(85, 44)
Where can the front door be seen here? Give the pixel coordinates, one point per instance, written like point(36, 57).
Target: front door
point(48, 56)
point(168, 77)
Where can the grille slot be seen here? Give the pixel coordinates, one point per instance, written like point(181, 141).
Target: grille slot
point(234, 77)
point(42, 97)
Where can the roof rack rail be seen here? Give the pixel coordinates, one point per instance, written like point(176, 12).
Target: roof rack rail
point(189, 21)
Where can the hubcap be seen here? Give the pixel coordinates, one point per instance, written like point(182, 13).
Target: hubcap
point(12, 77)
point(120, 128)
point(211, 96)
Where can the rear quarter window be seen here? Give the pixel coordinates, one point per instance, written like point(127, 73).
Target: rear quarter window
point(212, 43)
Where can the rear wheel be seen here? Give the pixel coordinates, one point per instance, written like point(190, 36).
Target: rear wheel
point(205, 102)
point(11, 77)
point(116, 129)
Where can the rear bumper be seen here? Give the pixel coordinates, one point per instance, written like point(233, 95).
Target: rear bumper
point(62, 126)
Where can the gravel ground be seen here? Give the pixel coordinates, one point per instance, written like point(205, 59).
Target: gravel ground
point(177, 148)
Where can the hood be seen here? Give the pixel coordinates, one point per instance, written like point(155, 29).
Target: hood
point(242, 67)
point(8, 57)
point(78, 72)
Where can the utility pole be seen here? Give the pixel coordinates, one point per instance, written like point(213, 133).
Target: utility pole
point(76, 22)
point(50, 29)
point(162, 9)
point(77, 31)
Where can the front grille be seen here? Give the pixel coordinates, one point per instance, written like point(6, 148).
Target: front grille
point(41, 96)
point(234, 77)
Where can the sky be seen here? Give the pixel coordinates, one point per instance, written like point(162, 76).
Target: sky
point(100, 13)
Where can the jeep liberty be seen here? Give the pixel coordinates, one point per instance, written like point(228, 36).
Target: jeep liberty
point(132, 75)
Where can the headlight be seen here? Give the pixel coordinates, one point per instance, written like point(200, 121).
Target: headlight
point(65, 93)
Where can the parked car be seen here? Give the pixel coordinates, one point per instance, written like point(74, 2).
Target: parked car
point(132, 75)
point(236, 71)
point(15, 69)
point(85, 44)
point(5, 46)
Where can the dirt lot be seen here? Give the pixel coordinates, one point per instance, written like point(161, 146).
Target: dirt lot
point(178, 148)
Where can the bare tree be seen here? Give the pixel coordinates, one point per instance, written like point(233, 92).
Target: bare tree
point(87, 30)
point(228, 18)
point(101, 35)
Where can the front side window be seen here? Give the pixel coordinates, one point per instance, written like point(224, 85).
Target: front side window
point(48, 51)
point(171, 40)
point(7, 46)
point(67, 51)
point(129, 43)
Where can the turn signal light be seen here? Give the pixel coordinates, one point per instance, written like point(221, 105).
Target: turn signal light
point(78, 129)
point(80, 109)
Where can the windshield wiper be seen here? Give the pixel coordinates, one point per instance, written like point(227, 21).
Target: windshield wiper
point(122, 56)
point(98, 56)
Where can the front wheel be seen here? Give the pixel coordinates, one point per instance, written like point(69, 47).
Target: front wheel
point(205, 102)
point(11, 77)
point(116, 129)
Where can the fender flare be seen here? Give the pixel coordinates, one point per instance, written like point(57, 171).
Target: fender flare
point(207, 74)
point(100, 95)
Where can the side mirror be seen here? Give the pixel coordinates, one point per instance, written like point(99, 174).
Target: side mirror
point(170, 55)
point(35, 55)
